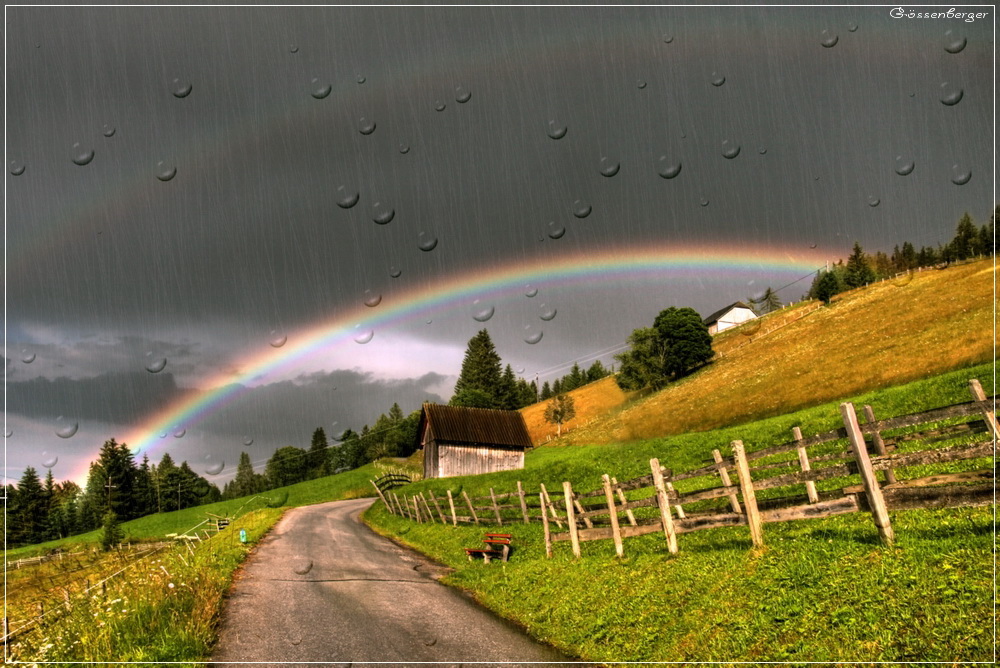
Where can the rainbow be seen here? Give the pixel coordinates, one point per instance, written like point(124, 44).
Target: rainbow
point(459, 289)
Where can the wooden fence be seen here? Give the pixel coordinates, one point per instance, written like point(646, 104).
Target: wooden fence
point(784, 476)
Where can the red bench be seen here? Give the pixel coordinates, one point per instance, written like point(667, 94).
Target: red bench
point(499, 546)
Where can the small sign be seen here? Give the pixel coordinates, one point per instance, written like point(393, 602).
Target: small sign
point(243, 535)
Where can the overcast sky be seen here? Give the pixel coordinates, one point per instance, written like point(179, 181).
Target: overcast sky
point(193, 194)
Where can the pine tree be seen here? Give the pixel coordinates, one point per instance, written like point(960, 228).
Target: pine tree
point(596, 371)
point(966, 236)
point(480, 378)
point(546, 391)
point(27, 522)
point(244, 484)
point(825, 286)
point(317, 454)
point(507, 395)
point(859, 272)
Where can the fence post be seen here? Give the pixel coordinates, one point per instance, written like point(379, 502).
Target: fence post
point(624, 502)
point(545, 528)
point(404, 511)
point(579, 508)
point(616, 532)
point(991, 420)
point(496, 509)
point(438, 506)
point(472, 510)
point(571, 518)
point(550, 506)
point(733, 501)
point(524, 505)
point(430, 515)
point(749, 497)
point(416, 509)
point(381, 496)
point(451, 504)
point(664, 503)
point(805, 466)
point(677, 507)
point(890, 475)
point(872, 491)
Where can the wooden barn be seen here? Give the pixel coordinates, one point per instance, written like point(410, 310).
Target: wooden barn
point(467, 441)
point(732, 315)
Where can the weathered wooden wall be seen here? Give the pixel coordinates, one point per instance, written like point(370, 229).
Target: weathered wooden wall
point(453, 460)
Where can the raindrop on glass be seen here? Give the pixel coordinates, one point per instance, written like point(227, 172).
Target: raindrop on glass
point(320, 90)
point(293, 49)
point(960, 176)
point(482, 312)
point(520, 369)
point(109, 130)
point(363, 336)
point(404, 149)
point(180, 88)
point(668, 169)
point(16, 168)
point(828, 39)
point(27, 356)
point(347, 198)
point(155, 364)
point(556, 231)
point(556, 131)
point(903, 279)
point(852, 27)
point(440, 106)
point(532, 336)
point(215, 468)
point(955, 43)
point(904, 166)
point(641, 84)
point(372, 299)
point(49, 460)
point(730, 149)
point(609, 167)
point(548, 313)
point(462, 95)
point(365, 126)
point(395, 272)
point(82, 156)
point(530, 291)
point(361, 79)
point(163, 434)
point(8, 432)
point(762, 150)
point(704, 201)
point(668, 39)
point(66, 428)
point(718, 79)
point(179, 433)
point(581, 209)
point(951, 95)
point(426, 242)
point(873, 201)
point(165, 172)
point(247, 440)
point(383, 214)
point(302, 567)
point(277, 338)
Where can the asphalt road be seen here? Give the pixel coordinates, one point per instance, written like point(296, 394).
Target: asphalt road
point(322, 586)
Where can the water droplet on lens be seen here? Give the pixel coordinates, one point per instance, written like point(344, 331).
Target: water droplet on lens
point(828, 39)
point(361, 79)
point(482, 312)
point(530, 291)
point(730, 149)
point(556, 131)
point(404, 149)
point(704, 201)
point(8, 432)
point(65, 428)
point(165, 172)
point(215, 468)
point(27, 357)
point(319, 89)
point(960, 176)
point(668, 169)
point(903, 279)
point(581, 209)
point(82, 156)
point(277, 338)
point(16, 168)
point(641, 84)
point(179, 433)
point(347, 198)
point(462, 96)
point(873, 201)
point(180, 88)
point(762, 150)
point(548, 313)
point(426, 242)
point(395, 273)
point(852, 27)
point(383, 214)
point(363, 336)
point(718, 79)
point(109, 130)
point(163, 434)
point(532, 336)
point(951, 95)
point(904, 165)
point(247, 440)
point(372, 299)
point(154, 364)
point(293, 48)
point(955, 43)
point(667, 39)
point(440, 106)
point(556, 231)
point(609, 167)
point(49, 460)
point(302, 567)
point(365, 126)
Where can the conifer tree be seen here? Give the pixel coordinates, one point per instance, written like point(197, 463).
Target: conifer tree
point(481, 374)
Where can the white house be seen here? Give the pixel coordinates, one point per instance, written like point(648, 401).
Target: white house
point(732, 315)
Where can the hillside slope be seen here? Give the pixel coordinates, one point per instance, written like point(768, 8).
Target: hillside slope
point(883, 335)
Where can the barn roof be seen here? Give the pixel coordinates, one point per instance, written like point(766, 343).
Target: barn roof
point(480, 426)
point(723, 311)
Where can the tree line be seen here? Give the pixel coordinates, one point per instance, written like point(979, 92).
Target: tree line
point(576, 377)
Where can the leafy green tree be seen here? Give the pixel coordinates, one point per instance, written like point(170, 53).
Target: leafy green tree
point(677, 343)
point(859, 272)
point(480, 375)
point(286, 466)
point(471, 397)
point(559, 411)
point(642, 363)
point(826, 286)
point(111, 531)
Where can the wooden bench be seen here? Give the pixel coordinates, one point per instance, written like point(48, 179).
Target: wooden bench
point(499, 547)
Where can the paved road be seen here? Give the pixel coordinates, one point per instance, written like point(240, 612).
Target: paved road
point(324, 587)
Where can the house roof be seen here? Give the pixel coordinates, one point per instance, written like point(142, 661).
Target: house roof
point(723, 311)
point(479, 426)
